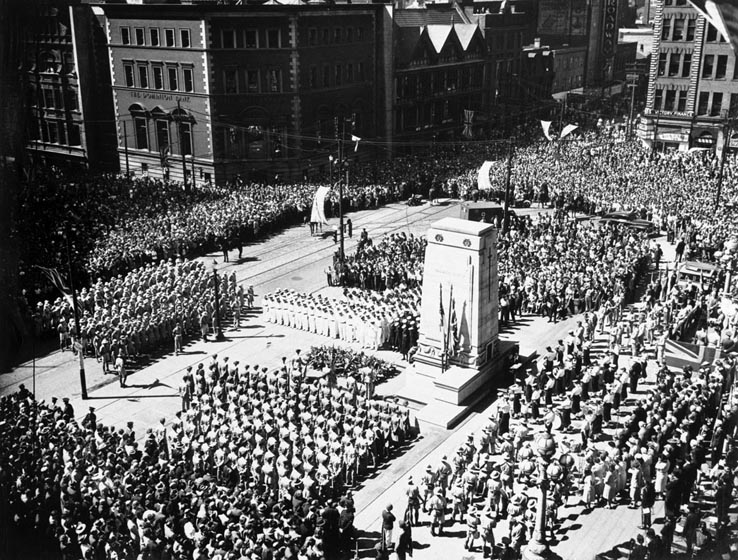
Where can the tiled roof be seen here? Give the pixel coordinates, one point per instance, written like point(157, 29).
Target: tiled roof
point(420, 17)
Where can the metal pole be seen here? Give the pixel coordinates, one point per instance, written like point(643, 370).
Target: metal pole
point(125, 147)
point(342, 157)
point(632, 87)
point(655, 132)
point(82, 378)
point(181, 146)
point(219, 333)
point(506, 217)
point(726, 142)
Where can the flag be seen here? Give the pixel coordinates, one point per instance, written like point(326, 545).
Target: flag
point(723, 15)
point(454, 329)
point(546, 129)
point(164, 155)
point(356, 140)
point(448, 337)
point(468, 121)
point(568, 129)
point(441, 313)
point(57, 281)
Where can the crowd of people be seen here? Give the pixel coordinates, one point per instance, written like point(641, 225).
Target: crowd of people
point(148, 309)
point(397, 260)
point(370, 319)
point(674, 440)
point(259, 464)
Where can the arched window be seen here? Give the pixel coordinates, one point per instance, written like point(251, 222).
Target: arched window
point(140, 126)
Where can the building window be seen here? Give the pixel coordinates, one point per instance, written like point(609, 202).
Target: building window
point(337, 74)
point(71, 97)
point(674, 61)
point(703, 103)
point(158, 77)
point(682, 101)
point(313, 78)
point(658, 99)
point(172, 74)
point(349, 73)
point(275, 80)
point(252, 81)
point(669, 100)
point(169, 37)
point(666, 29)
point(154, 36)
point(326, 77)
point(686, 65)
point(312, 36)
point(189, 82)
point(125, 35)
point(273, 38)
point(142, 133)
point(53, 134)
point(140, 36)
point(662, 63)
point(360, 72)
point(336, 34)
point(359, 33)
point(162, 135)
point(230, 80)
point(128, 71)
point(185, 137)
point(691, 24)
point(184, 37)
point(721, 68)
point(143, 76)
point(252, 39)
point(228, 40)
point(326, 36)
point(733, 110)
point(74, 135)
point(678, 34)
point(717, 104)
point(707, 65)
point(712, 34)
point(349, 34)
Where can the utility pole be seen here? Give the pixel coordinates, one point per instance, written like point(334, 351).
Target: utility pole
point(632, 84)
point(125, 147)
point(506, 218)
point(75, 307)
point(341, 159)
point(727, 131)
point(655, 133)
point(181, 146)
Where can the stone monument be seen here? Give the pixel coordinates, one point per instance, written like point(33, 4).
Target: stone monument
point(458, 344)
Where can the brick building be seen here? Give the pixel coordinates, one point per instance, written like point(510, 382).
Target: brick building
point(440, 71)
point(258, 92)
point(69, 120)
point(693, 81)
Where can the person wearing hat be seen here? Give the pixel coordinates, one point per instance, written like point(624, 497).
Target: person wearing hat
point(437, 507)
point(412, 511)
point(472, 528)
point(404, 546)
point(90, 420)
point(426, 485)
point(67, 409)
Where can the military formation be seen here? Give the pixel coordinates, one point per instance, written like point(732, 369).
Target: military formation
point(370, 319)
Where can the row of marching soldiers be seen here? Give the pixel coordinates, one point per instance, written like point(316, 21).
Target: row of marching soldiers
point(472, 475)
point(284, 431)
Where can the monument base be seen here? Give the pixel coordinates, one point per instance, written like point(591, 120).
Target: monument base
point(450, 395)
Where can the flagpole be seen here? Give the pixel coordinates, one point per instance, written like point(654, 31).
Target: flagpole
point(82, 378)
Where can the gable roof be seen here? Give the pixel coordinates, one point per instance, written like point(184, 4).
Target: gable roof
point(465, 33)
point(438, 35)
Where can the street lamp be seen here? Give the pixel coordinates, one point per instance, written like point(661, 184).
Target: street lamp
point(538, 546)
point(219, 332)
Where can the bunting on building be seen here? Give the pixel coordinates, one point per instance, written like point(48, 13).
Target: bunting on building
point(468, 132)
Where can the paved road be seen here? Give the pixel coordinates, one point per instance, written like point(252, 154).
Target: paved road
point(294, 259)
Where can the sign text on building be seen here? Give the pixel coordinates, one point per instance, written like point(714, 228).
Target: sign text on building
point(160, 96)
point(610, 28)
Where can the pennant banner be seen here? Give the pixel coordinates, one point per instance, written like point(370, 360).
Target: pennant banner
point(546, 129)
point(568, 129)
